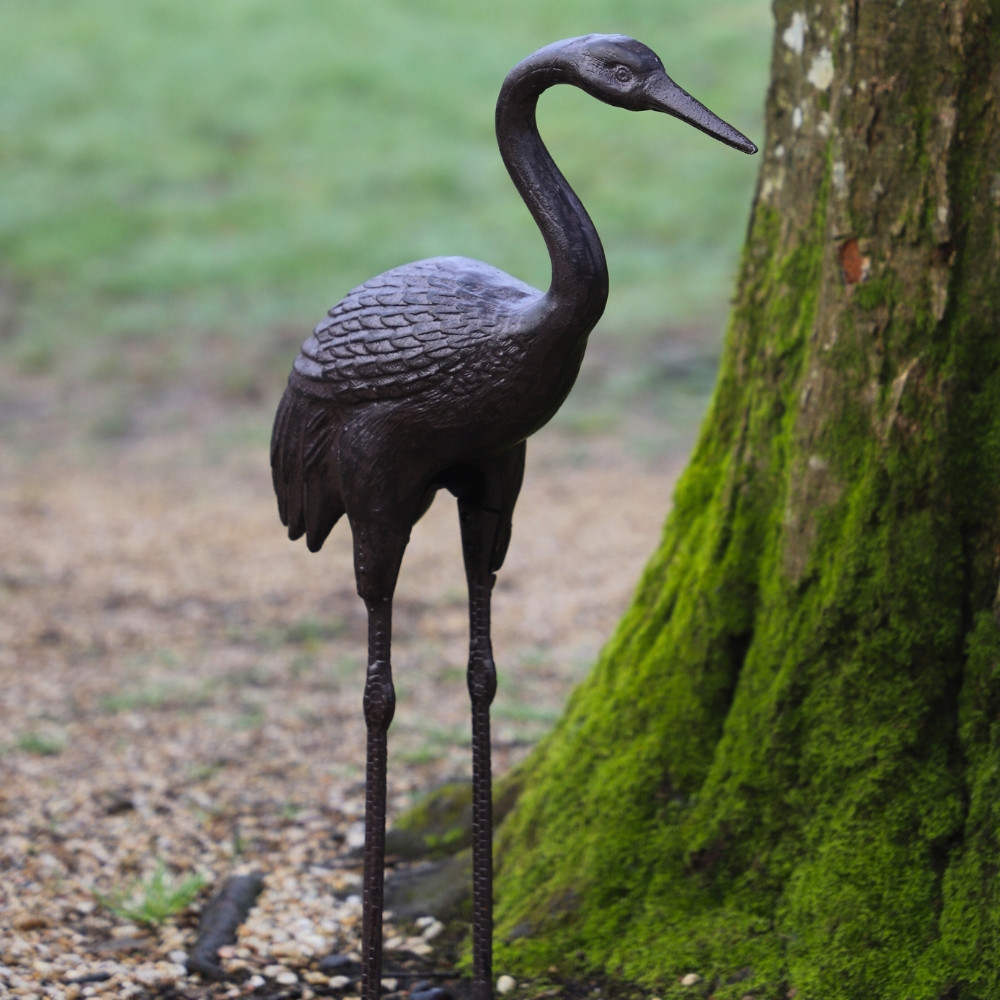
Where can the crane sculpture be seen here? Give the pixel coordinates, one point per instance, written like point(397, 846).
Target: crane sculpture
point(432, 376)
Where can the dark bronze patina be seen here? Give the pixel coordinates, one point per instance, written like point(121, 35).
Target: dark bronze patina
point(432, 376)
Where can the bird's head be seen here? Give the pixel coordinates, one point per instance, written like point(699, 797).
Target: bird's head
point(621, 71)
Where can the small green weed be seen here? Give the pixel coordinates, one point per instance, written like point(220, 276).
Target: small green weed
point(252, 716)
point(41, 744)
point(310, 632)
point(156, 696)
point(548, 715)
point(155, 899)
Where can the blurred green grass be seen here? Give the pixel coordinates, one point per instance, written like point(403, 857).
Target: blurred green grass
point(173, 172)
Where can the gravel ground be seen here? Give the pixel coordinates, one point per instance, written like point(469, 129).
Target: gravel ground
point(181, 687)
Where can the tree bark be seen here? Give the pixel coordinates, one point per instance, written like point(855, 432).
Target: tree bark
point(784, 772)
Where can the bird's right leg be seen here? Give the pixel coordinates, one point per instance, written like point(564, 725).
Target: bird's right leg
point(378, 552)
point(485, 512)
point(479, 528)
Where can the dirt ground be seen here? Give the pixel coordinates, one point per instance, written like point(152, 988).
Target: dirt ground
point(181, 685)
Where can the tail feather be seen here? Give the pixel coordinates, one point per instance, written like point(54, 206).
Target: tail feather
point(303, 469)
point(320, 516)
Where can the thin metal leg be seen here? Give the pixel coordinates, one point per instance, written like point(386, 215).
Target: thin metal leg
point(482, 854)
point(379, 704)
point(482, 687)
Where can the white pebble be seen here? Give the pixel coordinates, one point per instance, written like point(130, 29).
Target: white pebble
point(286, 978)
point(158, 975)
point(691, 979)
point(288, 949)
point(432, 930)
point(506, 984)
point(338, 982)
point(389, 985)
point(178, 957)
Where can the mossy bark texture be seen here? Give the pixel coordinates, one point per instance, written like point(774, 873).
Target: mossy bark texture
point(784, 772)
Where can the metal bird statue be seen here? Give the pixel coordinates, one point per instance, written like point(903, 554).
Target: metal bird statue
point(432, 376)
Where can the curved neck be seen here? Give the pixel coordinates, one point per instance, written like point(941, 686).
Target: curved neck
point(579, 270)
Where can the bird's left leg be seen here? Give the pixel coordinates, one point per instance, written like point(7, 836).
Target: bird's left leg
point(485, 518)
point(378, 553)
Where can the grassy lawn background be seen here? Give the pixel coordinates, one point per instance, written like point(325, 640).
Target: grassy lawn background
point(185, 188)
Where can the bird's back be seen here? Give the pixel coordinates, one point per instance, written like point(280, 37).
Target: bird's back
point(440, 325)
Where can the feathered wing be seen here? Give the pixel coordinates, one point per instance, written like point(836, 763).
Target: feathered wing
point(433, 326)
point(413, 328)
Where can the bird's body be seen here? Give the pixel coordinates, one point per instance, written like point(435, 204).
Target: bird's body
point(432, 376)
point(417, 361)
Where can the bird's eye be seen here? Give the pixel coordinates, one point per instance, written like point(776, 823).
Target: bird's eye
point(623, 74)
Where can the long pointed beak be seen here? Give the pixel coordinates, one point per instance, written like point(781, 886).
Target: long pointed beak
point(664, 95)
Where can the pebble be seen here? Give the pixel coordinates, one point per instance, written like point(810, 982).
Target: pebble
point(691, 979)
point(424, 991)
point(432, 930)
point(331, 962)
point(290, 949)
point(506, 984)
point(338, 982)
point(126, 932)
point(160, 974)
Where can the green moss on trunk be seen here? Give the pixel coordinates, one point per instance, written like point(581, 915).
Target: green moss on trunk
point(783, 772)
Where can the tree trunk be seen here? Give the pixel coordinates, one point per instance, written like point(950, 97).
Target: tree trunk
point(784, 772)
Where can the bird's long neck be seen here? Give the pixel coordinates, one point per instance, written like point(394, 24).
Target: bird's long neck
point(579, 288)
